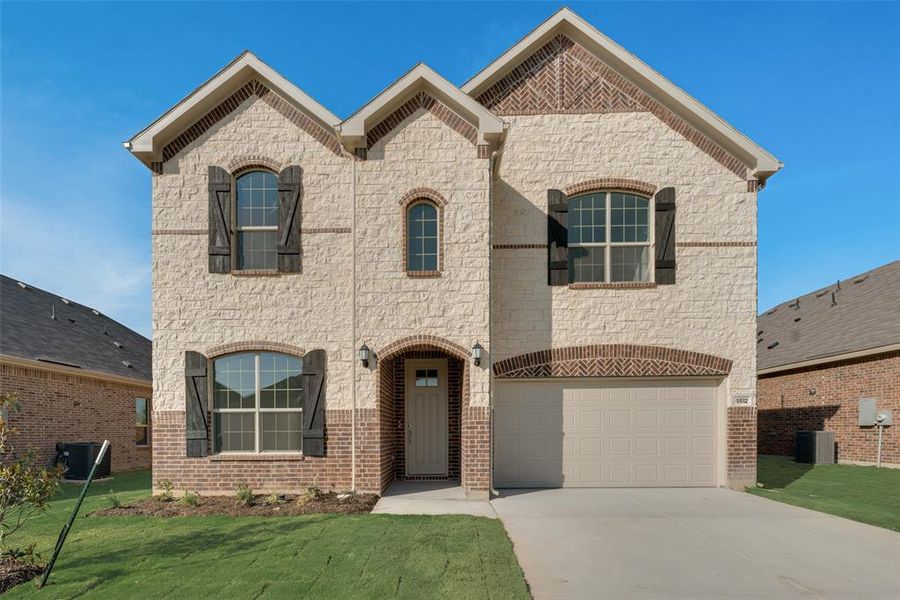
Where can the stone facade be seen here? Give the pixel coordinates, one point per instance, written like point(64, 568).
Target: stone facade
point(490, 287)
point(60, 407)
point(786, 406)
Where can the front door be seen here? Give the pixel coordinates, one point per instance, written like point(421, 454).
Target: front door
point(426, 417)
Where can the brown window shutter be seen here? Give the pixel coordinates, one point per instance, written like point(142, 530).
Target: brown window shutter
point(665, 236)
point(313, 395)
point(289, 211)
point(557, 238)
point(219, 220)
point(196, 404)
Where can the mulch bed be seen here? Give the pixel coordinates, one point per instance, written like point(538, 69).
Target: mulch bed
point(290, 505)
point(13, 572)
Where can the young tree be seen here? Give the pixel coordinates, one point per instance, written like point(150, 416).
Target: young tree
point(25, 486)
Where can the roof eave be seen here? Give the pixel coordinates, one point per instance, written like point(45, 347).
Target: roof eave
point(762, 163)
point(352, 131)
point(146, 145)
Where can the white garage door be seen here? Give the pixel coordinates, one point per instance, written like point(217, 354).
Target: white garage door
point(596, 433)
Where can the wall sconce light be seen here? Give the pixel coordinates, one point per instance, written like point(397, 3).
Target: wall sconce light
point(476, 353)
point(364, 355)
point(812, 391)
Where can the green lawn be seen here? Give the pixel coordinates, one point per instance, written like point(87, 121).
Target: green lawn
point(313, 556)
point(865, 494)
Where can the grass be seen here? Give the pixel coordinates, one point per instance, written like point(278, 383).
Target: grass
point(312, 556)
point(866, 494)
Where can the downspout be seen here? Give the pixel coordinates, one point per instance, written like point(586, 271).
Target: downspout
point(490, 363)
point(353, 326)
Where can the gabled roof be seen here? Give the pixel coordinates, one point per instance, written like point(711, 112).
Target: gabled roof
point(420, 78)
point(36, 325)
point(860, 315)
point(147, 144)
point(566, 22)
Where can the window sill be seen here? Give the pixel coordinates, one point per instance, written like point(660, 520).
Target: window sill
point(618, 285)
point(423, 274)
point(142, 446)
point(256, 457)
point(256, 273)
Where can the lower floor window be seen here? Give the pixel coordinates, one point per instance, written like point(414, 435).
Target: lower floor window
point(142, 422)
point(257, 403)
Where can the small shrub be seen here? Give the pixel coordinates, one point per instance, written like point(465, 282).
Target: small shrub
point(274, 499)
point(190, 498)
point(168, 490)
point(244, 494)
point(312, 492)
point(113, 500)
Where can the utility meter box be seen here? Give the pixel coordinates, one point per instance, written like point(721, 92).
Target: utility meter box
point(884, 418)
point(867, 414)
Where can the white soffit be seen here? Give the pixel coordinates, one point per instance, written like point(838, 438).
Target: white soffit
point(147, 144)
point(420, 78)
point(762, 163)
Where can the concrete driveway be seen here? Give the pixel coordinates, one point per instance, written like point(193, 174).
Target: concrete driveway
point(693, 543)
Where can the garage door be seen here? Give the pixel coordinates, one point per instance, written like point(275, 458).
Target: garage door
point(594, 433)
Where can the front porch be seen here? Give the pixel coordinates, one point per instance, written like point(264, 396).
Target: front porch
point(431, 498)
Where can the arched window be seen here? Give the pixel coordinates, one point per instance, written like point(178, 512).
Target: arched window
point(257, 404)
point(609, 237)
point(422, 237)
point(256, 220)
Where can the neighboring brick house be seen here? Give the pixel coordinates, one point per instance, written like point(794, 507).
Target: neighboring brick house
point(79, 376)
point(425, 289)
point(819, 354)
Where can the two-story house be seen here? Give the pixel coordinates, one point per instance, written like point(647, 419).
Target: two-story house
point(545, 277)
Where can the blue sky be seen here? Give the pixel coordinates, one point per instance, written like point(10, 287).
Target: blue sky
point(817, 84)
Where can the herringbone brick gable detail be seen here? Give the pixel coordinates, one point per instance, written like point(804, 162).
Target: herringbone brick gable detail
point(408, 108)
point(564, 77)
point(612, 360)
point(226, 107)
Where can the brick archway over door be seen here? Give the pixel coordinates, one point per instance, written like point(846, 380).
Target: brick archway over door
point(612, 360)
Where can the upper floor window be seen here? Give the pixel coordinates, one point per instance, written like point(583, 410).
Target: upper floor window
point(256, 220)
point(609, 237)
point(257, 406)
point(422, 237)
point(142, 422)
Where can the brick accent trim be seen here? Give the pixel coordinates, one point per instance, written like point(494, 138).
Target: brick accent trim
point(423, 342)
point(753, 185)
point(408, 199)
point(435, 107)
point(226, 107)
point(253, 161)
point(250, 346)
point(611, 183)
point(612, 360)
point(563, 77)
point(519, 246)
point(315, 230)
point(715, 244)
point(179, 232)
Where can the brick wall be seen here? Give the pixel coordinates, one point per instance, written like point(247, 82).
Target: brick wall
point(219, 474)
point(741, 432)
point(57, 407)
point(786, 406)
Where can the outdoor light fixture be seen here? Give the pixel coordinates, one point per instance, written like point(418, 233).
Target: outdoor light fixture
point(364, 355)
point(476, 353)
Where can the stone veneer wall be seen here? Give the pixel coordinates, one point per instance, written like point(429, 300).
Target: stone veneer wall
point(712, 307)
point(58, 407)
point(786, 406)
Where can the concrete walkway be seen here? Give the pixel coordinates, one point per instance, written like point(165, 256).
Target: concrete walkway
point(693, 543)
point(430, 498)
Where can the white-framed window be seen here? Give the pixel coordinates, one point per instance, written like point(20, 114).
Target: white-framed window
point(256, 220)
point(422, 237)
point(142, 422)
point(609, 238)
point(257, 406)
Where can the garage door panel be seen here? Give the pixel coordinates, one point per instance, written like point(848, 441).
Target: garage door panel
point(579, 433)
